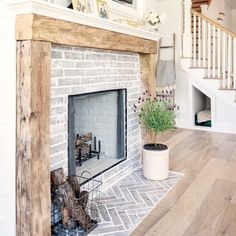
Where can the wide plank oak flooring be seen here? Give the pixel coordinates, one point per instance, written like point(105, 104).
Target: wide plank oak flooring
point(204, 202)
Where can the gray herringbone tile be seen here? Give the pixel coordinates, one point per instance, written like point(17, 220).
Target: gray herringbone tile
point(123, 206)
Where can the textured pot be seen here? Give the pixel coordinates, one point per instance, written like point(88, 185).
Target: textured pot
point(155, 161)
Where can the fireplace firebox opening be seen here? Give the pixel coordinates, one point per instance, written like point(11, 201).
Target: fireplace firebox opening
point(97, 131)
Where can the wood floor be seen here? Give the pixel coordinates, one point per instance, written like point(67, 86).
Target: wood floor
point(204, 202)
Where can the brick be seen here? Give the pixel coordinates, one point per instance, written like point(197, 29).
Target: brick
point(58, 148)
point(74, 55)
point(93, 56)
point(57, 119)
point(58, 110)
point(62, 64)
point(126, 221)
point(89, 80)
point(107, 79)
point(57, 158)
point(107, 230)
point(127, 65)
point(121, 233)
point(61, 164)
point(103, 212)
point(58, 129)
point(57, 101)
point(56, 55)
point(120, 78)
point(56, 73)
point(93, 72)
point(109, 71)
point(123, 58)
point(114, 216)
point(84, 64)
point(69, 81)
point(117, 192)
point(109, 57)
point(123, 71)
point(59, 91)
point(74, 72)
point(56, 139)
point(117, 64)
point(62, 47)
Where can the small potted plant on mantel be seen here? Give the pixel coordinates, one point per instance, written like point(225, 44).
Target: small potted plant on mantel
point(156, 114)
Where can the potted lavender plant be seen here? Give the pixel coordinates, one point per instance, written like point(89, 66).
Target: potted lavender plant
point(156, 115)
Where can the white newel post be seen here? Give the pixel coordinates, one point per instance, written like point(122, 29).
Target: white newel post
point(204, 9)
point(187, 34)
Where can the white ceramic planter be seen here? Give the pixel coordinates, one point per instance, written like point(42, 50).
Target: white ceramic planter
point(155, 163)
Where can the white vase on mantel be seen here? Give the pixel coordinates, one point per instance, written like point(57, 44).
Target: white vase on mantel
point(63, 3)
point(152, 28)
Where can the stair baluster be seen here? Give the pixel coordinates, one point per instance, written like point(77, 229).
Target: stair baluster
point(209, 49)
point(199, 41)
point(219, 53)
point(229, 61)
point(234, 62)
point(194, 40)
point(214, 53)
point(220, 44)
point(224, 58)
point(204, 43)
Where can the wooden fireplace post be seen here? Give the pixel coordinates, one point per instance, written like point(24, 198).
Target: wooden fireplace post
point(32, 158)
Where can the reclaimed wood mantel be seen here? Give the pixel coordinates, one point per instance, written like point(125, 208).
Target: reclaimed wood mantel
point(35, 34)
point(43, 28)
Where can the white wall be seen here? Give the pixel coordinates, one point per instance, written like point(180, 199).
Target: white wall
point(215, 8)
point(7, 122)
point(228, 15)
point(225, 6)
point(234, 20)
point(173, 10)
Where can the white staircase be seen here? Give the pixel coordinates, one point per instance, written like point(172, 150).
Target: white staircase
point(209, 57)
point(214, 48)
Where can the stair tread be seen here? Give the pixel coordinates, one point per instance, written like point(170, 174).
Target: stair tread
point(213, 78)
point(228, 89)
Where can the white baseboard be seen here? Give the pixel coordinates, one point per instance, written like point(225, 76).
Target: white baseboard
point(218, 127)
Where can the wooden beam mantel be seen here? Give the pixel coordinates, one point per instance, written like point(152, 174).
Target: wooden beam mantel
point(43, 28)
point(35, 35)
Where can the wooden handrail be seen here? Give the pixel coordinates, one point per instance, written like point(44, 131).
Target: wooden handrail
point(209, 2)
point(217, 25)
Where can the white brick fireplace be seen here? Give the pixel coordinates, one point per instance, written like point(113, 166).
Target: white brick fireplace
point(39, 27)
point(82, 70)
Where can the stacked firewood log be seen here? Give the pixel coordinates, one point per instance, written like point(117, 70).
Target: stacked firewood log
point(81, 143)
point(71, 201)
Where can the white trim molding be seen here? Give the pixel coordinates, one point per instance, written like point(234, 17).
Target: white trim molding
point(51, 10)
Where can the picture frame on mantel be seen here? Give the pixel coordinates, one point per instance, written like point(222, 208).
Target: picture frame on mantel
point(91, 7)
point(84, 6)
point(80, 5)
point(102, 9)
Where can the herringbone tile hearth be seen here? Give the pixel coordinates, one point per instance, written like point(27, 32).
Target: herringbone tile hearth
point(123, 206)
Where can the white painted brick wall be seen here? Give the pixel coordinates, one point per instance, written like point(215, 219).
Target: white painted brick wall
point(7, 122)
point(78, 71)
